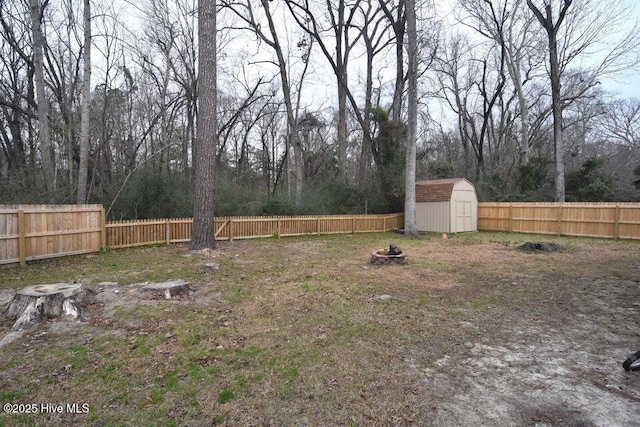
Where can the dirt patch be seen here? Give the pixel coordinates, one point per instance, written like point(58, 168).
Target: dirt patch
point(305, 332)
point(540, 247)
point(538, 375)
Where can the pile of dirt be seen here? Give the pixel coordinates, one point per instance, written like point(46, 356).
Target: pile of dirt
point(540, 247)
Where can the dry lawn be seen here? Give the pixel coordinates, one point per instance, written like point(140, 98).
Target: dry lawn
point(304, 331)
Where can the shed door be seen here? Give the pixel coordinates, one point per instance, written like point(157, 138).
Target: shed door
point(464, 221)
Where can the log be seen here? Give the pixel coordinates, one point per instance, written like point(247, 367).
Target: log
point(35, 304)
point(168, 290)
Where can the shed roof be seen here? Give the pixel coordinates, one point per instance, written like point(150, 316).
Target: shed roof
point(437, 190)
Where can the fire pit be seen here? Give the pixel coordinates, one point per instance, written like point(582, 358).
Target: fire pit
point(393, 254)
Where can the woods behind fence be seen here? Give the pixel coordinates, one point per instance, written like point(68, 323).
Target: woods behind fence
point(30, 232)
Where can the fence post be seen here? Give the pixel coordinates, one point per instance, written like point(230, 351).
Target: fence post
point(353, 224)
point(616, 233)
point(22, 247)
point(103, 233)
point(384, 223)
point(559, 219)
point(279, 227)
point(167, 231)
point(510, 217)
point(230, 228)
point(318, 225)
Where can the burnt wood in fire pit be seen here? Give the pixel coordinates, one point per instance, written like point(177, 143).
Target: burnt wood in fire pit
point(394, 254)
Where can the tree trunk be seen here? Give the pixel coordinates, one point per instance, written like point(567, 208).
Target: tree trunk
point(83, 168)
point(365, 150)
point(294, 135)
point(556, 105)
point(399, 29)
point(203, 234)
point(552, 28)
point(513, 67)
point(341, 33)
point(48, 166)
point(342, 132)
point(410, 226)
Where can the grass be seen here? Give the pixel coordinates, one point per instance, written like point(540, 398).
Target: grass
point(225, 396)
point(288, 329)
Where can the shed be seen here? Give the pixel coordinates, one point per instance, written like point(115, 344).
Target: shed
point(446, 205)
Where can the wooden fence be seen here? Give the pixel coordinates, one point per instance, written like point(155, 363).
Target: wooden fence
point(30, 232)
point(609, 220)
point(122, 234)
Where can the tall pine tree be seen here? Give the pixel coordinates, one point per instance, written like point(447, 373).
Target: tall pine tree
point(203, 234)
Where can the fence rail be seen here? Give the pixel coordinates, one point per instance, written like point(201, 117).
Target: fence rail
point(122, 234)
point(608, 220)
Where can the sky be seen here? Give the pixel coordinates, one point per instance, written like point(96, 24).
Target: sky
point(625, 84)
point(321, 92)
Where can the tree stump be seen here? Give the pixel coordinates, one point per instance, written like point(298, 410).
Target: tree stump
point(209, 266)
point(35, 304)
point(168, 290)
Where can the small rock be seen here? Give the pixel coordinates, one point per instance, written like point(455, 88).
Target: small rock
point(382, 297)
point(211, 266)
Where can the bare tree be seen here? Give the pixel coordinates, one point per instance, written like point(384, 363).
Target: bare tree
point(157, 61)
point(203, 235)
point(86, 102)
point(396, 17)
point(574, 34)
point(621, 122)
point(272, 130)
point(245, 11)
point(410, 226)
point(472, 86)
point(46, 153)
point(184, 72)
point(552, 26)
point(17, 98)
point(508, 24)
point(373, 27)
point(341, 15)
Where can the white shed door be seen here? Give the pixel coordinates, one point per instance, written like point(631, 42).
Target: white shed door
point(464, 221)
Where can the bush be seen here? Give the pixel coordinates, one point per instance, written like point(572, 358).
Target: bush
point(153, 194)
point(590, 183)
